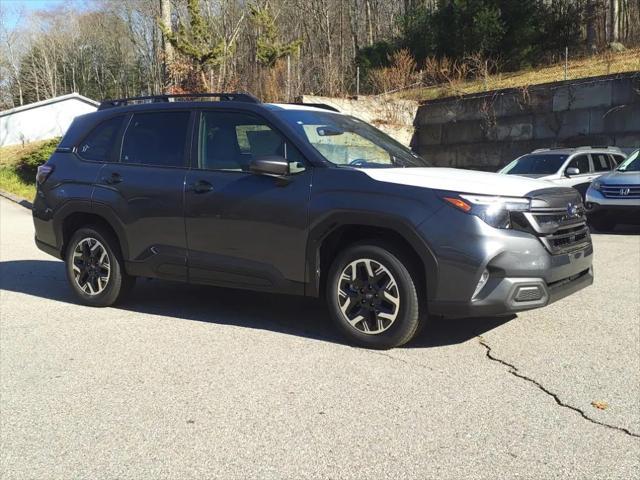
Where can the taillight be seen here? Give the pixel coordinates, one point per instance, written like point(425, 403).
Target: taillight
point(43, 173)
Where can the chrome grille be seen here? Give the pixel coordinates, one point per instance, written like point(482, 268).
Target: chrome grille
point(558, 219)
point(567, 239)
point(620, 191)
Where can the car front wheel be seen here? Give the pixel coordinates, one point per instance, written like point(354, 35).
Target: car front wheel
point(373, 296)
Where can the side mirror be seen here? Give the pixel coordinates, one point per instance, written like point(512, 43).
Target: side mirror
point(572, 171)
point(272, 165)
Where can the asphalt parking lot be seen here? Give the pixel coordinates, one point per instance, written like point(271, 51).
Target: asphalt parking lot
point(194, 382)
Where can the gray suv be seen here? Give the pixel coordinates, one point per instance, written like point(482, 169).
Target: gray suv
point(301, 200)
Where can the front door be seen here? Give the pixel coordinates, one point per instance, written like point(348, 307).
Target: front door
point(245, 230)
point(581, 180)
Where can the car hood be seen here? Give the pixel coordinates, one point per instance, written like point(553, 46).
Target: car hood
point(621, 178)
point(457, 180)
point(530, 175)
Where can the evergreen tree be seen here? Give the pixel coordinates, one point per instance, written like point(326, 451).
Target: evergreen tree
point(198, 43)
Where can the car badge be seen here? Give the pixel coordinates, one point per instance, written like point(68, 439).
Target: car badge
point(572, 210)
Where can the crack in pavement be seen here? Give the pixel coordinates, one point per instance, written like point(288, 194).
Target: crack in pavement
point(513, 370)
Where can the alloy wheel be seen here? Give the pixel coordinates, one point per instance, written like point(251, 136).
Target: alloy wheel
point(368, 296)
point(91, 266)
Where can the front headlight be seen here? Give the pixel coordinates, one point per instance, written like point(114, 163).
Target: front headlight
point(493, 210)
point(596, 185)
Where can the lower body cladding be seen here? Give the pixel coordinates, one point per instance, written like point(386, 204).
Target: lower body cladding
point(486, 271)
point(625, 214)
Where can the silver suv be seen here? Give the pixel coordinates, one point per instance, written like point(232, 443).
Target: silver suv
point(615, 198)
point(567, 167)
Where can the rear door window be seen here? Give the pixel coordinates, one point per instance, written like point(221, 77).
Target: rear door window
point(156, 139)
point(600, 162)
point(98, 145)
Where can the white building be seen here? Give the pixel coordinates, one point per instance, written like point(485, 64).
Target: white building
point(42, 120)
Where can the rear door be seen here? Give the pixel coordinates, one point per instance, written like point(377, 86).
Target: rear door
point(601, 164)
point(245, 230)
point(144, 188)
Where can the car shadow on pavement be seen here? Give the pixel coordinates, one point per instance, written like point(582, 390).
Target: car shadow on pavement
point(291, 315)
point(618, 230)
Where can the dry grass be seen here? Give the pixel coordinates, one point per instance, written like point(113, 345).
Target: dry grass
point(400, 74)
point(10, 180)
point(601, 64)
point(11, 154)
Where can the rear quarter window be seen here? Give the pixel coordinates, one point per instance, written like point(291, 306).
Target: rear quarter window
point(617, 160)
point(98, 145)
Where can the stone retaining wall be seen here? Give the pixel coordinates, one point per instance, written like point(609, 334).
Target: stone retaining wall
point(487, 131)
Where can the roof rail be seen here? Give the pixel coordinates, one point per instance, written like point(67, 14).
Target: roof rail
point(583, 147)
point(537, 150)
point(324, 106)
point(224, 97)
point(596, 147)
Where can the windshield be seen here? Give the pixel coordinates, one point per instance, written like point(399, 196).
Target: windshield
point(347, 141)
point(631, 164)
point(532, 164)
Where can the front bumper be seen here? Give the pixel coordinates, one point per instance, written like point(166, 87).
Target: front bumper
point(510, 295)
point(523, 274)
point(618, 209)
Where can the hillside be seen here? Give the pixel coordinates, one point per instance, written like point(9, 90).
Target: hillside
point(601, 64)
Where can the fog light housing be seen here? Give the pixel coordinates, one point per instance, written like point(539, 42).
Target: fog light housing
point(528, 294)
point(481, 283)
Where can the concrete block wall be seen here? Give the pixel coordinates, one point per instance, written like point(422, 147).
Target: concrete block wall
point(489, 130)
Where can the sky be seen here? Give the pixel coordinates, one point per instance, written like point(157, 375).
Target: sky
point(15, 11)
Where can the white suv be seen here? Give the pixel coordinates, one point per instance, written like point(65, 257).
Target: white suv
point(568, 167)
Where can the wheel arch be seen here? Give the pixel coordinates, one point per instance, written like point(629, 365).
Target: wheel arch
point(335, 233)
point(75, 216)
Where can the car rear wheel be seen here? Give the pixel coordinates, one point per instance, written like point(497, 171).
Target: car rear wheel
point(95, 269)
point(373, 296)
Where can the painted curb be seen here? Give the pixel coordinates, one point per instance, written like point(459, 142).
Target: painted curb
point(23, 202)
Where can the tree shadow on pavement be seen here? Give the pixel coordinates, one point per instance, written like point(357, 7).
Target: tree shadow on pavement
point(291, 315)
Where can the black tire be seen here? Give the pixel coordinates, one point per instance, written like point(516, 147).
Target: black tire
point(602, 223)
point(408, 314)
point(118, 284)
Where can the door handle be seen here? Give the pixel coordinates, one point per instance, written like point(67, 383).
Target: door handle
point(113, 179)
point(201, 186)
